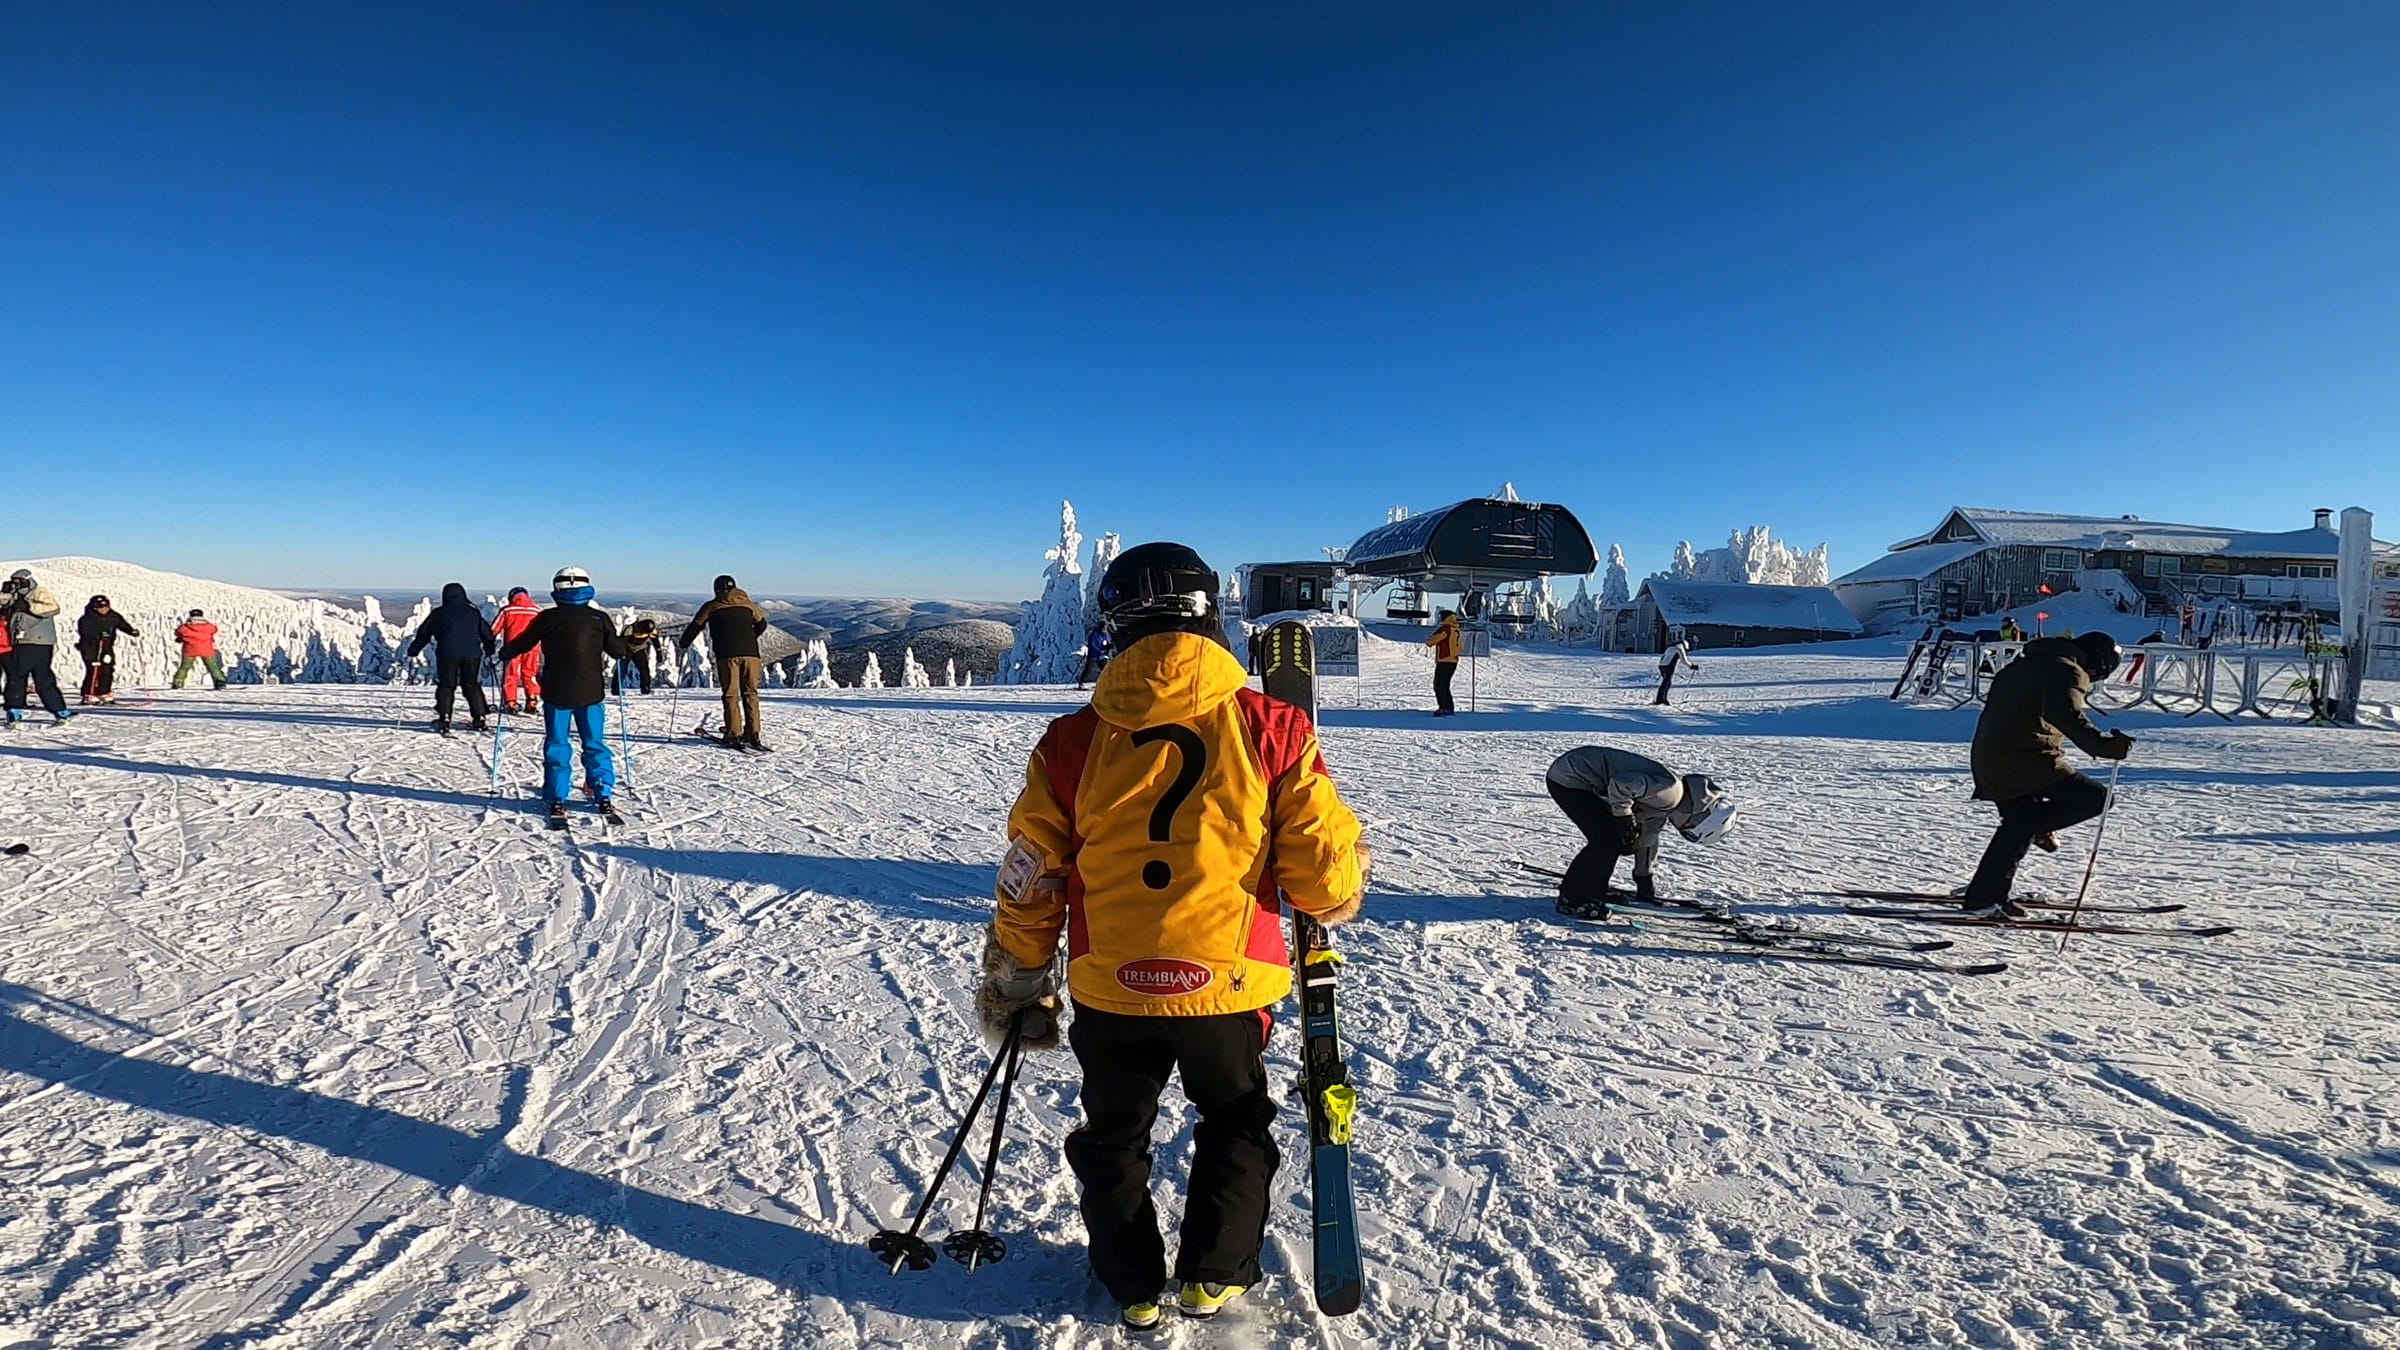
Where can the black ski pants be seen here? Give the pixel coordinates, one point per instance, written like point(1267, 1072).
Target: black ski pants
point(1666, 681)
point(453, 673)
point(1443, 673)
point(30, 661)
point(1126, 1062)
point(2071, 800)
point(1587, 876)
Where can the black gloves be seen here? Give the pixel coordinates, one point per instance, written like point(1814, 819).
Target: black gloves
point(2115, 745)
point(1629, 833)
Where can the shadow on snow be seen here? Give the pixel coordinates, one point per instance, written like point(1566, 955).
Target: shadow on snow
point(958, 892)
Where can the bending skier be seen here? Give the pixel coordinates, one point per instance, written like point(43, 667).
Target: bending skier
point(1175, 947)
point(520, 679)
point(1623, 802)
point(2035, 706)
point(575, 637)
point(733, 625)
point(461, 638)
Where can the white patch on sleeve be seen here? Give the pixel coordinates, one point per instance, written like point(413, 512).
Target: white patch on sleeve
point(1018, 869)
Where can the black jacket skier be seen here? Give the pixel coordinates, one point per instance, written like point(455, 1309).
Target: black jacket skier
point(461, 637)
point(96, 642)
point(2035, 706)
point(573, 638)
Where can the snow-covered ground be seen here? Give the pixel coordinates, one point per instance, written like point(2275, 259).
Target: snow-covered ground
point(306, 1042)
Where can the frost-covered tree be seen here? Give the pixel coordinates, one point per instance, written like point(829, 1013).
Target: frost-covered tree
point(1050, 631)
point(1580, 618)
point(912, 673)
point(813, 667)
point(1686, 566)
point(1104, 551)
point(872, 676)
point(949, 678)
point(1756, 557)
point(1616, 586)
point(1541, 606)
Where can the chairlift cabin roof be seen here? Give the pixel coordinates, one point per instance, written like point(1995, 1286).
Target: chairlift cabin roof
point(1484, 541)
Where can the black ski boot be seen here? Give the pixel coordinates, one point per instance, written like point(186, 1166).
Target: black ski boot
point(442, 725)
point(753, 744)
point(558, 815)
point(1585, 907)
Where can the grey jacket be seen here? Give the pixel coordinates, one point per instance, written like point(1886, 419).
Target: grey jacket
point(33, 618)
point(1632, 785)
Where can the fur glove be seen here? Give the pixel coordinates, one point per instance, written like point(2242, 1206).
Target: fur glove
point(1007, 987)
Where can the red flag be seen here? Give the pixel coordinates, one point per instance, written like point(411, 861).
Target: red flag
point(2047, 591)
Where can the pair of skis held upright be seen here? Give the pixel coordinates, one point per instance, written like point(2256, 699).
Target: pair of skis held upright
point(1793, 942)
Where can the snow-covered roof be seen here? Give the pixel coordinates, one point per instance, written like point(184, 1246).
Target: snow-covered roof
point(1737, 605)
point(1914, 564)
point(2055, 530)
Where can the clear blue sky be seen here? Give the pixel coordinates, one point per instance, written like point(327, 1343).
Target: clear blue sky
point(845, 298)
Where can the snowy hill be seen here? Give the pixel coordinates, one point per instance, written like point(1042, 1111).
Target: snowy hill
point(307, 1041)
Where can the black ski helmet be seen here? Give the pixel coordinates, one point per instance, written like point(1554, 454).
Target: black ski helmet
point(1157, 588)
point(2098, 653)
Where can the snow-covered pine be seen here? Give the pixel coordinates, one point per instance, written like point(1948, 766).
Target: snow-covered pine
point(912, 672)
point(1579, 619)
point(872, 676)
point(1050, 631)
point(813, 668)
point(1686, 564)
point(1616, 585)
point(949, 678)
point(1104, 551)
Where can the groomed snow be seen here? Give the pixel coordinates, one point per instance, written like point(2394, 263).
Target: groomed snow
point(305, 1042)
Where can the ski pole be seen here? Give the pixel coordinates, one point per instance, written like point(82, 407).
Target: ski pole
point(2099, 832)
point(624, 735)
point(976, 1247)
point(907, 1249)
point(499, 733)
point(675, 697)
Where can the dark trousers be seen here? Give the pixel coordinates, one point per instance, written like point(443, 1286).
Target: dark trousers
point(1587, 876)
point(1666, 681)
point(2071, 800)
point(637, 667)
point(1126, 1061)
point(1443, 673)
point(32, 662)
point(453, 673)
point(99, 676)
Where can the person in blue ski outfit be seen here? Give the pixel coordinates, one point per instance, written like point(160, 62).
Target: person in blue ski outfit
point(576, 637)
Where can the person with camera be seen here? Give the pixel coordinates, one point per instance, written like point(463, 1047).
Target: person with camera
point(33, 636)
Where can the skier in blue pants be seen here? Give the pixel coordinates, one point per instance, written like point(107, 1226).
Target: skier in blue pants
point(576, 639)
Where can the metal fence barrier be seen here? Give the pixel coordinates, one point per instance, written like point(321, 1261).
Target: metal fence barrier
point(2186, 681)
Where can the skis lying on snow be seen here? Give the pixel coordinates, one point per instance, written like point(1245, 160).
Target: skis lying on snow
point(1955, 920)
point(1937, 898)
point(1723, 923)
point(1289, 672)
point(1844, 950)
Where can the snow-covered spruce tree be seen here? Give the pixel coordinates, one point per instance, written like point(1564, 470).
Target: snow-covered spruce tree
point(1104, 551)
point(1580, 618)
point(813, 667)
point(949, 678)
point(912, 673)
point(1686, 565)
point(872, 676)
point(1616, 585)
point(1050, 631)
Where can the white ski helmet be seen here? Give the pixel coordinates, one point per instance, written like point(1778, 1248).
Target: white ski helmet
point(569, 578)
point(1705, 813)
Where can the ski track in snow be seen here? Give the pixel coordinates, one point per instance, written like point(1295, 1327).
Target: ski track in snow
point(306, 1041)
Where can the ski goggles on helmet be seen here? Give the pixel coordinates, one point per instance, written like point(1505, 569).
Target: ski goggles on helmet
point(1710, 825)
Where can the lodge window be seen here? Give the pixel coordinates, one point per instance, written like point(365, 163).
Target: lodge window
point(2158, 565)
point(2062, 560)
point(2319, 570)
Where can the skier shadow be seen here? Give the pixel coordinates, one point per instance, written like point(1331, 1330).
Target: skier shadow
point(2302, 837)
point(952, 892)
point(93, 760)
point(255, 714)
point(1044, 709)
point(452, 1158)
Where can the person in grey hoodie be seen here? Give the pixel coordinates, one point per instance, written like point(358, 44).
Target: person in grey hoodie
point(1622, 802)
point(33, 632)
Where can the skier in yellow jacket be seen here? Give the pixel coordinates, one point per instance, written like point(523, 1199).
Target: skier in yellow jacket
point(1158, 832)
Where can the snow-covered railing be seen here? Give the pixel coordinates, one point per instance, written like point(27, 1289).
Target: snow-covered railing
point(2186, 681)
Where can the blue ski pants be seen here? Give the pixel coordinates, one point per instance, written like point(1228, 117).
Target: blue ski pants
point(599, 766)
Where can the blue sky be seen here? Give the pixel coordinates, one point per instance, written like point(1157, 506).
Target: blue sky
point(844, 299)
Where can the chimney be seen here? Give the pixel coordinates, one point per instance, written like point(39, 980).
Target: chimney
point(2324, 517)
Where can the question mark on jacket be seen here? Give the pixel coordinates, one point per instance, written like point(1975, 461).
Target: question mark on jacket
point(1156, 874)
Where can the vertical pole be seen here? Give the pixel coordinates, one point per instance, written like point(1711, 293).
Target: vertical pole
point(2099, 832)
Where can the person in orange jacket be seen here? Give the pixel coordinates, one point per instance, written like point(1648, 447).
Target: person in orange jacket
point(1446, 642)
point(198, 638)
point(521, 675)
point(1159, 831)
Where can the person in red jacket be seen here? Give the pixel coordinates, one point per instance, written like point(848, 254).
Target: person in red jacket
point(199, 639)
point(521, 673)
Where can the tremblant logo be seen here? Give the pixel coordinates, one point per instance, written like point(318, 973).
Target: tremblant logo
point(1164, 976)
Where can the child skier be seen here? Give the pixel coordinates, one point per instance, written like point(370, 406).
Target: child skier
point(1177, 808)
point(1623, 802)
point(523, 676)
point(198, 638)
point(574, 636)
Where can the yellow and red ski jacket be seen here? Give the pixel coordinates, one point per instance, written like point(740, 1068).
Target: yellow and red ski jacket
point(1157, 828)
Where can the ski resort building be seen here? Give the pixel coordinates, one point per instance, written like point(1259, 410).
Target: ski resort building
point(1980, 561)
point(1286, 587)
point(1479, 544)
point(1716, 614)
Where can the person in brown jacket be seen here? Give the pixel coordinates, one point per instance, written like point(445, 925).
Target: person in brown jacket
point(2036, 705)
point(1446, 643)
point(733, 623)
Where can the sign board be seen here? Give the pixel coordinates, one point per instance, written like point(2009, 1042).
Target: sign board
point(1337, 650)
point(1954, 601)
point(1476, 640)
point(2383, 630)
